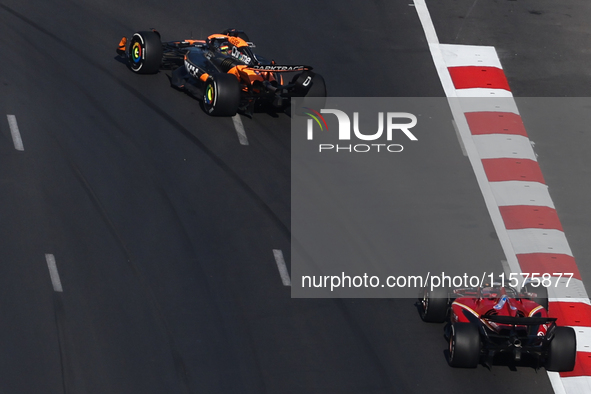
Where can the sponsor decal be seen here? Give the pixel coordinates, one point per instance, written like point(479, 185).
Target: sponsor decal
point(192, 69)
point(240, 56)
point(235, 41)
point(276, 67)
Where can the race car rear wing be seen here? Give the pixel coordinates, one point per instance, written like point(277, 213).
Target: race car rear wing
point(278, 68)
point(520, 321)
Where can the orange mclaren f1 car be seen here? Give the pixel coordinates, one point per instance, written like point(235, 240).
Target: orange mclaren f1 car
point(223, 71)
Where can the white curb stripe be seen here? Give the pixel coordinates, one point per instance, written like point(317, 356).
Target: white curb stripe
point(521, 193)
point(545, 241)
point(538, 240)
point(501, 104)
point(469, 55)
point(483, 92)
point(583, 338)
point(494, 146)
point(566, 290)
point(575, 385)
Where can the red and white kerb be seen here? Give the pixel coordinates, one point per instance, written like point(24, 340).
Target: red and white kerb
point(513, 186)
point(520, 204)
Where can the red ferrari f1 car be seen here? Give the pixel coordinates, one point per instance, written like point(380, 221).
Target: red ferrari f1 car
point(491, 321)
point(222, 70)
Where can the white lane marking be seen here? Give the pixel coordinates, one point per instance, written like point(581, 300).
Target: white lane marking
point(506, 268)
point(426, 22)
point(16, 135)
point(453, 122)
point(462, 124)
point(282, 267)
point(240, 129)
point(556, 382)
point(55, 277)
point(434, 47)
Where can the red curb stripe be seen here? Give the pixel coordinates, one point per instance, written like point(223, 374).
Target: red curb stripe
point(527, 216)
point(582, 366)
point(548, 263)
point(499, 170)
point(495, 123)
point(467, 77)
point(570, 313)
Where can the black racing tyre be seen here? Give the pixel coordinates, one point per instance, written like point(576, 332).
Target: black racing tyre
point(318, 88)
point(434, 305)
point(221, 95)
point(145, 52)
point(464, 346)
point(541, 297)
point(241, 34)
point(311, 87)
point(563, 350)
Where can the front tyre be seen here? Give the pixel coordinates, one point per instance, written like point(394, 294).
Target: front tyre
point(434, 305)
point(221, 95)
point(145, 52)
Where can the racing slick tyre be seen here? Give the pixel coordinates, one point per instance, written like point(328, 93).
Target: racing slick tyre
point(318, 88)
point(312, 87)
point(464, 346)
point(434, 305)
point(563, 350)
point(221, 95)
point(541, 291)
point(145, 52)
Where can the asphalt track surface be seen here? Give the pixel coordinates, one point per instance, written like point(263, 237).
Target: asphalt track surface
point(163, 225)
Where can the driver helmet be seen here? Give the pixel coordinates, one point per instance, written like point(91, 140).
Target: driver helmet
point(491, 291)
point(225, 47)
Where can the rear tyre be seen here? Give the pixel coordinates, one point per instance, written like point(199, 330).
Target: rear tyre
point(464, 346)
point(221, 95)
point(312, 88)
point(318, 88)
point(434, 305)
point(563, 350)
point(145, 52)
point(541, 297)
